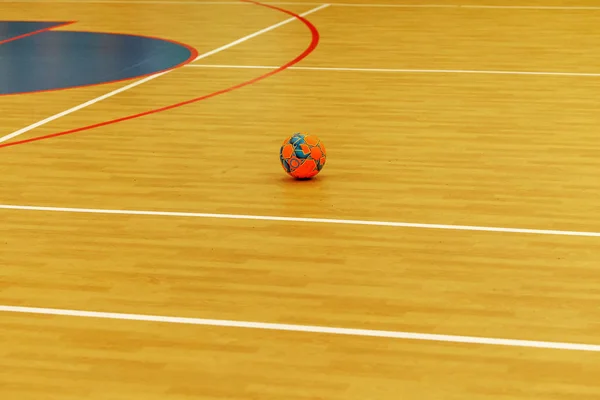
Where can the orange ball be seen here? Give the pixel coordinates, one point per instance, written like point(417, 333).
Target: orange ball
point(302, 156)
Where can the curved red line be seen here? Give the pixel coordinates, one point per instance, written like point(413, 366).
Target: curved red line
point(311, 47)
point(192, 57)
point(35, 32)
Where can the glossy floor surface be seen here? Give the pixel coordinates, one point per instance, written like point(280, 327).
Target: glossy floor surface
point(459, 198)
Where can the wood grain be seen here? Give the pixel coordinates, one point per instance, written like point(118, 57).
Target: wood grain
point(490, 150)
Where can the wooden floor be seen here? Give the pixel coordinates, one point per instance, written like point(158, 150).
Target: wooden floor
point(448, 144)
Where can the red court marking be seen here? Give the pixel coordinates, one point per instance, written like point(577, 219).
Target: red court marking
point(35, 32)
point(193, 55)
point(311, 47)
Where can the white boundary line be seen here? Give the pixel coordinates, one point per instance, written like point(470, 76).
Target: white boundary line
point(400, 70)
point(292, 3)
point(466, 6)
point(78, 107)
point(305, 328)
point(301, 220)
point(151, 77)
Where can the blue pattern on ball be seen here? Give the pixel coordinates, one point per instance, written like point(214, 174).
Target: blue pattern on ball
point(285, 164)
point(297, 139)
point(300, 153)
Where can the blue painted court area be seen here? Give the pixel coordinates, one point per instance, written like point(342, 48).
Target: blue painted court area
point(13, 29)
point(52, 60)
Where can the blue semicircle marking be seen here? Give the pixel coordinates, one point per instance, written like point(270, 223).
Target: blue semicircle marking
point(12, 29)
point(66, 59)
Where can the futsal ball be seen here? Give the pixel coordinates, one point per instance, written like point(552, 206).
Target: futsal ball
point(302, 156)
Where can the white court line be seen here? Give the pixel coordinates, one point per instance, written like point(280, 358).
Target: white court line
point(400, 70)
point(164, 2)
point(301, 220)
point(293, 3)
point(306, 329)
point(151, 77)
point(465, 6)
point(193, 3)
point(77, 108)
